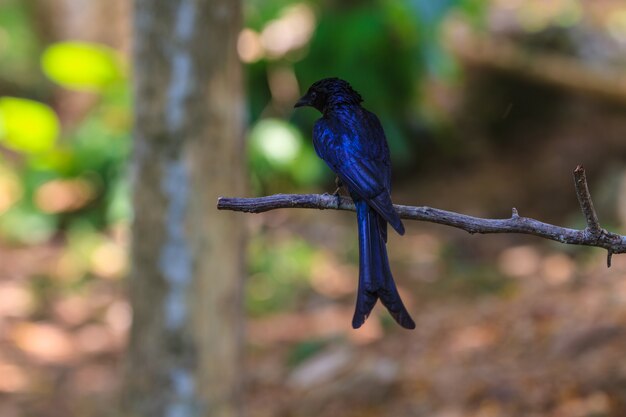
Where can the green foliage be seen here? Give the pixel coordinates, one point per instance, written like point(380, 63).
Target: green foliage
point(259, 12)
point(95, 154)
point(384, 48)
point(18, 43)
point(279, 156)
point(278, 271)
point(27, 126)
point(276, 142)
point(82, 66)
point(364, 46)
point(63, 178)
point(26, 224)
point(429, 16)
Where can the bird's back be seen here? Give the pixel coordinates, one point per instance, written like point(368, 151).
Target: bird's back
point(351, 141)
point(356, 132)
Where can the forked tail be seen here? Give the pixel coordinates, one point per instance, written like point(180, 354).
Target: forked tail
point(375, 279)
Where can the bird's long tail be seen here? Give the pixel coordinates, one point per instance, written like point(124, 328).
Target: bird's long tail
point(375, 279)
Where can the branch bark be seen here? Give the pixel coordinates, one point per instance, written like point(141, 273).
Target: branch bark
point(592, 235)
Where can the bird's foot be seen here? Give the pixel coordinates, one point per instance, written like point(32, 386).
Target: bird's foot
point(337, 192)
point(338, 197)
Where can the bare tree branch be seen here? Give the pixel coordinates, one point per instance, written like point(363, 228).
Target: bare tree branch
point(592, 235)
point(584, 198)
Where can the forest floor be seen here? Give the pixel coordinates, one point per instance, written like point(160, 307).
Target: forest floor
point(506, 326)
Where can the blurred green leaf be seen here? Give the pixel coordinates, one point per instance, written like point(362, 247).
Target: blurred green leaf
point(276, 141)
point(25, 224)
point(119, 207)
point(280, 158)
point(19, 47)
point(27, 126)
point(60, 160)
point(308, 168)
point(279, 272)
point(81, 66)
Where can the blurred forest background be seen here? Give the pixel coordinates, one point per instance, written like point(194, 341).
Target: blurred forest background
point(487, 105)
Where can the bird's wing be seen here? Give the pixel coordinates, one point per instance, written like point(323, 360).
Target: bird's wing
point(365, 176)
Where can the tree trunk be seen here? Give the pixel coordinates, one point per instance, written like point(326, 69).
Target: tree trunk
point(185, 285)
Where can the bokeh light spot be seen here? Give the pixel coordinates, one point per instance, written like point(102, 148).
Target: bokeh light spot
point(14, 379)
point(10, 190)
point(520, 261)
point(276, 140)
point(616, 25)
point(61, 195)
point(109, 260)
point(45, 342)
point(292, 30)
point(80, 65)
point(27, 126)
point(249, 46)
point(15, 300)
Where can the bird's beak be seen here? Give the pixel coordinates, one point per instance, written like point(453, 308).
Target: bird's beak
point(304, 101)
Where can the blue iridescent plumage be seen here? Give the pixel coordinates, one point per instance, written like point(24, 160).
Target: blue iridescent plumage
point(351, 141)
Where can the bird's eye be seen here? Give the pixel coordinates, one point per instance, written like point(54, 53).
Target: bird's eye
point(313, 95)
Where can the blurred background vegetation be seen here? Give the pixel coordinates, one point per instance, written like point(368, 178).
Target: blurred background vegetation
point(486, 105)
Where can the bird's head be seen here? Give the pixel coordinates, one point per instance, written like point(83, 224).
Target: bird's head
point(329, 92)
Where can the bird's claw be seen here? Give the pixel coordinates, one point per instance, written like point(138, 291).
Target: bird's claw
point(337, 192)
point(338, 197)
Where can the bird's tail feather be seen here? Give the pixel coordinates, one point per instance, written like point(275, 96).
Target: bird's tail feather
point(383, 205)
point(375, 279)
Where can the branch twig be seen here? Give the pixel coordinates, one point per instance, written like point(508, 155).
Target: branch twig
point(584, 199)
point(592, 235)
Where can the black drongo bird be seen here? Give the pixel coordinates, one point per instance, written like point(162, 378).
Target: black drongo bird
point(352, 142)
